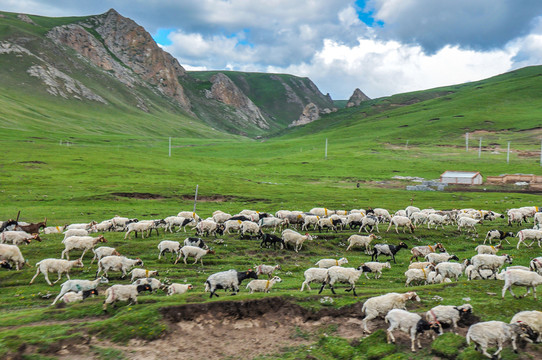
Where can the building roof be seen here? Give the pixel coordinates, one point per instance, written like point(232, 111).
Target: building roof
point(460, 174)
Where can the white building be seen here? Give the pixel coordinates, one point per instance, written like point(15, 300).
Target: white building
point(461, 177)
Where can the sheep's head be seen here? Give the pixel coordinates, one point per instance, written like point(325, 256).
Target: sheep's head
point(36, 237)
point(138, 262)
point(411, 295)
point(101, 238)
point(402, 245)
point(78, 263)
point(276, 279)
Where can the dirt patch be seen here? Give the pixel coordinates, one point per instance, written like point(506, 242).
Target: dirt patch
point(32, 162)
point(212, 198)
point(150, 196)
point(137, 195)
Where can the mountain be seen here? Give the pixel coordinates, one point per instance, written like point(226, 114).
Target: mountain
point(110, 67)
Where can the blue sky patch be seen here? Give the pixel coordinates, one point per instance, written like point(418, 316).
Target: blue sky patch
point(161, 36)
point(365, 14)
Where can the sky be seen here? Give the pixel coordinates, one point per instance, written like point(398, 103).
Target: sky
point(382, 47)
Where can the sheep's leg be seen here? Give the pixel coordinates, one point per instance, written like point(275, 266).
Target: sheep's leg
point(389, 335)
point(60, 277)
point(35, 276)
point(83, 254)
point(322, 288)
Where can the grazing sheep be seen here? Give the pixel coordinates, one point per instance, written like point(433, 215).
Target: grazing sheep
point(123, 293)
point(448, 314)
point(488, 249)
point(266, 269)
point(79, 285)
point(117, 263)
point(451, 270)
point(489, 262)
point(12, 254)
point(379, 306)
point(85, 226)
point(103, 251)
point(73, 296)
point(18, 237)
point(172, 247)
point(416, 275)
point(420, 265)
point(310, 220)
point(54, 229)
point(249, 227)
point(467, 223)
point(438, 258)
point(74, 232)
point(386, 249)
point(436, 219)
point(313, 275)
point(172, 221)
point(402, 221)
point(195, 241)
point(273, 222)
point(361, 241)
point(517, 277)
point(270, 239)
point(262, 285)
point(409, 323)
point(84, 243)
point(376, 268)
point(295, 239)
point(155, 284)
point(106, 225)
point(536, 265)
point(491, 333)
point(418, 218)
point(142, 273)
point(59, 266)
point(194, 251)
point(531, 318)
point(178, 288)
point(529, 234)
point(327, 263)
point(209, 227)
point(344, 275)
point(421, 251)
point(498, 234)
point(230, 279)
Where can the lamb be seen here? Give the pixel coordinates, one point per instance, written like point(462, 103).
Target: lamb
point(73, 296)
point(230, 279)
point(84, 243)
point(379, 306)
point(262, 285)
point(343, 275)
point(195, 241)
point(172, 221)
point(467, 223)
point(326, 223)
point(498, 234)
point(75, 232)
point(529, 279)
point(194, 251)
point(190, 215)
point(310, 220)
point(533, 319)
point(272, 222)
point(371, 221)
point(402, 221)
point(18, 237)
point(209, 227)
point(313, 274)
point(142, 273)
point(448, 314)
point(416, 275)
point(536, 265)
point(103, 251)
point(56, 265)
point(12, 254)
point(381, 213)
point(155, 284)
point(438, 258)
point(168, 246)
point(178, 288)
point(117, 263)
point(361, 241)
point(121, 223)
point(266, 269)
point(436, 219)
point(123, 293)
point(79, 285)
point(409, 323)
point(250, 228)
point(295, 239)
point(386, 249)
point(144, 226)
point(421, 251)
point(489, 262)
point(327, 263)
point(488, 249)
point(491, 333)
point(529, 234)
point(270, 239)
point(376, 268)
point(451, 270)
point(106, 225)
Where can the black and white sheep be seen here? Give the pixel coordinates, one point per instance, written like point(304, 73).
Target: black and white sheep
point(230, 279)
point(117, 263)
point(79, 285)
point(448, 314)
point(123, 293)
point(388, 250)
point(496, 333)
point(12, 255)
point(409, 323)
point(499, 235)
point(343, 275)
point(271, 239)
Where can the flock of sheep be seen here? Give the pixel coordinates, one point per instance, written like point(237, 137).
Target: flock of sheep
point(437, 265)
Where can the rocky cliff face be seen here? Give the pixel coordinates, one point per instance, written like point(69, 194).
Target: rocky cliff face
point(357, 98)
point(310, 113)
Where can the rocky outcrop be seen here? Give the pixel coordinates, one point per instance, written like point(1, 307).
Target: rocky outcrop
point(310, 113)
point(225, 91)
point(357, 98)
point(26, 19)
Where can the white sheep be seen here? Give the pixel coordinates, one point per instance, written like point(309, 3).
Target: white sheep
point(79, 285)
point(489, 262)
point(536, 265)
point(418, 218)
point(313, 275)
point(448, 314)
point(529, 234)
point(532, 318)
point(12, 254)
point(434, 278)
point(58, 266)
point(84, 243)
point(190, 215)
point(479, 275)
point(220, 217)
point(371, 221)
point(420, 265)
point(327, 263)
point(450, 270)
point(120, 223)
point(72, 296)
point(117, 263)
point(416, 276)
point(382, 213)
point(54, 229)
point(493, 333)
point(85, 226)
point(249, 227)
point(361, 241)
point(272, 222)
point(437, 258)
point(354, 219)
point(379, 306)
point(123, 293)
point(75, 232)
point(232, 225)
point(376, 268)
point(266, 269)
point(144, 226)
point(178, 288)
point(172, 221)
point(103, 251)
point(154, 283)
point(106, 225)
point(517, 277)
point(401, 221)
point(172, 247)
point(326, 223)
point(421, 251)
point(295, 239)
point(343, 275)
point(436, 219)
point(17, 237)
point(467, 223)
point(208, 227)
point(142, 273)
point(227, 280)
point(321, 212)
point(411, 210)
point(262, 285)
point(488, 249)
point(310, 220)
point(193, 251)
point(409, 323)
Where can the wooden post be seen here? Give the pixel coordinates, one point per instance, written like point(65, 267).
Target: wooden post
point(480, 149)
point(508, 153)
